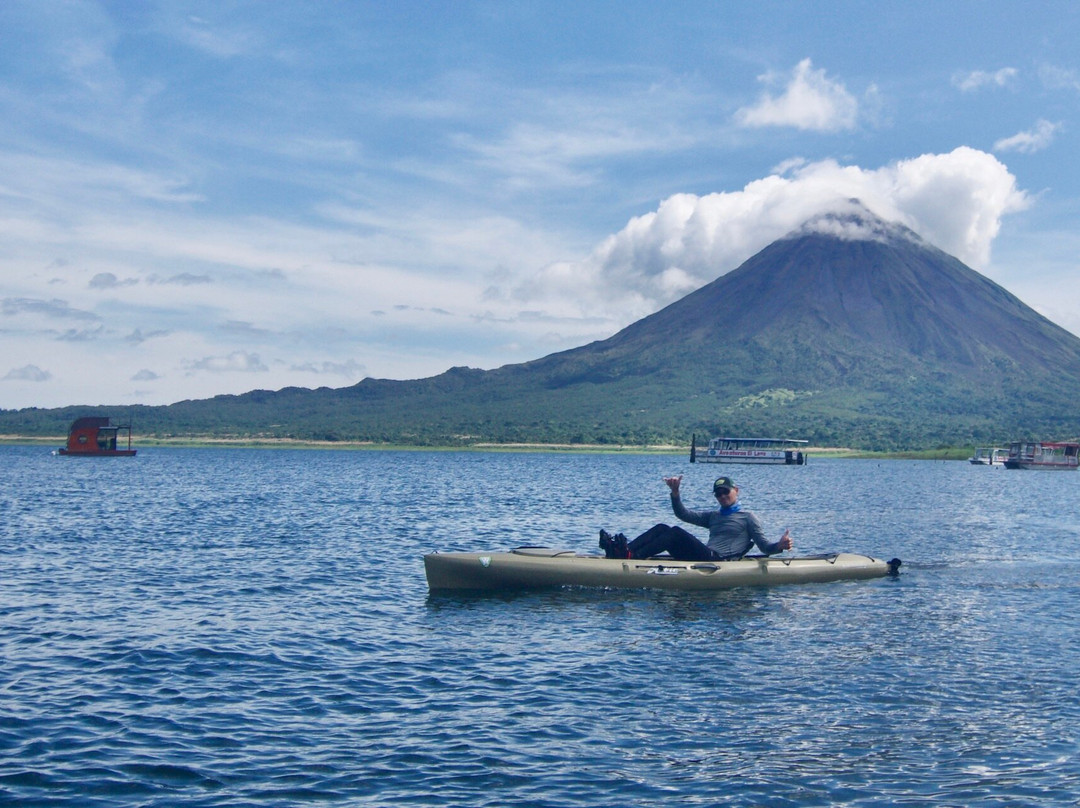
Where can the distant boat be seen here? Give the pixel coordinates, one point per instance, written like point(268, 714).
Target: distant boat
point(770, 451)
point(93, 436)
point(988, 456)
point(1050, 455)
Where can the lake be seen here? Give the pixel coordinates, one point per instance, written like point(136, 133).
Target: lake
point(205, 627)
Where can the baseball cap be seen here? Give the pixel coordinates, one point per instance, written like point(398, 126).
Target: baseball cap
point(723, 482)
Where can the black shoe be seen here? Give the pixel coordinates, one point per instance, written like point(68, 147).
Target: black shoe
point(619, 546)
point(605, 543)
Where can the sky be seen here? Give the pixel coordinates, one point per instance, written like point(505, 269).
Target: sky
point(199, 198)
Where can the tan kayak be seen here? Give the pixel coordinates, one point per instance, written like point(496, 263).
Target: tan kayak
point(531, 567)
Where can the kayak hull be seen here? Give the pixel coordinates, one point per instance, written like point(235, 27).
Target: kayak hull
point(537, 567)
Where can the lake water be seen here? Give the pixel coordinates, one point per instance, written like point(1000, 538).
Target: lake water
point(201, 627)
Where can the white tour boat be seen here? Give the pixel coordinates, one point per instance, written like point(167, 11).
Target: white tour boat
point(776, 451)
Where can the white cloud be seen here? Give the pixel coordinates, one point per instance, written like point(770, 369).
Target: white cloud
point(108, 280)
point(350, 369)
point(955, 201)
point(562, 139)
point(1059, 78)
point(809, 101)
point(145, 375)
point(58, 180)
point(55, 308)
point(28, 373)
point(1031, 141)
point(219, 41)
point(137, 336)
point(236, 362)
point(977, 79)
point(183, 279)
point(82, 334)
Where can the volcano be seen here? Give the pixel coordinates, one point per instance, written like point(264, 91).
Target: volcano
point(849, 331)
point(848, 297)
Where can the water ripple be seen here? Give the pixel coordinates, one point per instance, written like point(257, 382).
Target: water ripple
point(237, 628)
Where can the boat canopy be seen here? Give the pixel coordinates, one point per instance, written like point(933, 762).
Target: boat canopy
point(754, 443)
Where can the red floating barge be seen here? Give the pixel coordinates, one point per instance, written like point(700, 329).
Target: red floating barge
point(96, 437)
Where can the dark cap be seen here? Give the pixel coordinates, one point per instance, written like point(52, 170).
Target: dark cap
point(723, 482)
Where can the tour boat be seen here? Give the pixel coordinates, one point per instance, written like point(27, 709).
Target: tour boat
point(1051, 455)
point(988, 456)
point(775, 451)
point(93, 436)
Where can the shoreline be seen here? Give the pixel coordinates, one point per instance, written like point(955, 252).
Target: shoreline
point(195, 442)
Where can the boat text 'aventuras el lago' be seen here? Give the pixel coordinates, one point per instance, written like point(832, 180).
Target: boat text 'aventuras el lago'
point(773, 451)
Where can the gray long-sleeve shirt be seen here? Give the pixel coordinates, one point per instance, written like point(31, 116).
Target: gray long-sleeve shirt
point(730, 534)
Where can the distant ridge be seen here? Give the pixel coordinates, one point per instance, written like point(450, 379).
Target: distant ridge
point(850, 330)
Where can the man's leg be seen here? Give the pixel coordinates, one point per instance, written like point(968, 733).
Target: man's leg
point(651, 542)
point(678, 543)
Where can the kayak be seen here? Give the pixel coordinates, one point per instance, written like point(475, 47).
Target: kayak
point(533, 567)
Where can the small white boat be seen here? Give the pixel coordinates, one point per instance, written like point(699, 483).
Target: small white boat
point(533, 567)
point(755, 451)
point(988, 456)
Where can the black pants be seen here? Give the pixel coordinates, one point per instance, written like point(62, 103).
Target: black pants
point(680, 544)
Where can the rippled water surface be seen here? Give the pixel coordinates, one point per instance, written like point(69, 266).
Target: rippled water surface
point(197, 627)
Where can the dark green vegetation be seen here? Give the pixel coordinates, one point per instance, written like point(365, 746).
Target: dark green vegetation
point(880, 342)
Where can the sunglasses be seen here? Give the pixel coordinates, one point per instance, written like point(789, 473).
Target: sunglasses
point(723, 491)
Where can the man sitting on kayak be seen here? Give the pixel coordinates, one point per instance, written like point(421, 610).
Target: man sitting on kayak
point(732, 531)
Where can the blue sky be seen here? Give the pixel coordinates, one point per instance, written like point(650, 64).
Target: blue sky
point(214, 197)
